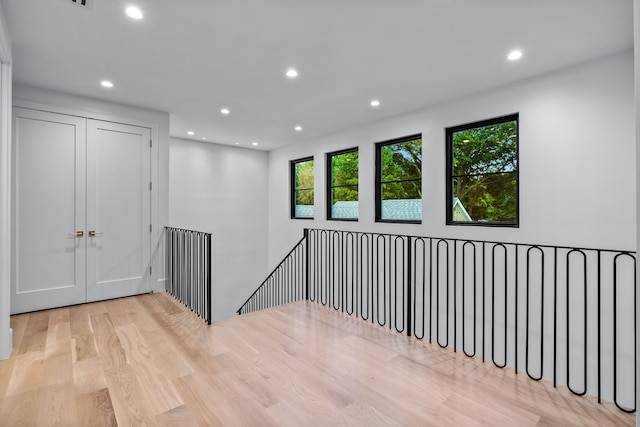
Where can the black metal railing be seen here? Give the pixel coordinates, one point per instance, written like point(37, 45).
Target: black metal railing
point(284, 284)
point(189, 269)
point(563, 313)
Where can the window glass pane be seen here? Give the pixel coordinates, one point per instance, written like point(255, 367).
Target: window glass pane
point(401, 190)
point(487, 149)
point(344, 168)
point(399, 178)
point(483, 163)
point(345, 202)
point(402, 161)
point(485, 198)
point(304, 204)
point(302, 182)
point(304, 175)
point(343, 194)
point(402, 210)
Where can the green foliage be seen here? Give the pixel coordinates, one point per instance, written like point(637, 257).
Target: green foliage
point(304, 183)
point(484, 169)
point(344, 177)
point(402, 170)
point(304, 197)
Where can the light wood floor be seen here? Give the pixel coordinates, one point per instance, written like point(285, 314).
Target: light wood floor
point(148, 361)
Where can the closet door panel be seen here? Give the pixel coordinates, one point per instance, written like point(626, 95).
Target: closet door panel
point(49, 208)
point(118, 177)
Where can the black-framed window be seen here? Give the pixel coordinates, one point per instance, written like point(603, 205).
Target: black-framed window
point(302, 194)
point(399, 180)
point(342, 185)
point(482, 172)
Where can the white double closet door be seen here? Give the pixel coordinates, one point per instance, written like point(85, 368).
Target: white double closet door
point(82, 210)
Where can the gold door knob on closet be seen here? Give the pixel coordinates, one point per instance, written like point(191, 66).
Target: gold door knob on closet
point(93, 233)
point(77, 233)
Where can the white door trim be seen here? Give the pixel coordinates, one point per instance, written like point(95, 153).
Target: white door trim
point(5, 204)
point(5, 188)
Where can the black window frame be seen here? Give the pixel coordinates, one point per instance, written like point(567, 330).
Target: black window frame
point(379, 183)
point(294, 189)
point(329, 182)
point(449, 170)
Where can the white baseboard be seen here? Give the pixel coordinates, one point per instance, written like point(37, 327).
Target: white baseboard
point(6, 347)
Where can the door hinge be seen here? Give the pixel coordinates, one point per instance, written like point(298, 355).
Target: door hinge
point(150, 186)
point(150, 228)
point(151, 143)
point(150, 270)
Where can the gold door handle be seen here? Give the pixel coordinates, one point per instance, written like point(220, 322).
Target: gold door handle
point(77, 233)
point(93, 233)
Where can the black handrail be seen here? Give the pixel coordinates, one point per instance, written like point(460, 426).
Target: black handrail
point(536, 301)
point(289, 274)
point(188, 267)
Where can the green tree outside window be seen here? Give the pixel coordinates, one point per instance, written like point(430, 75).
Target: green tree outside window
point(343, 185)
point(399, 180)
point(302, 180)
point(483, 172)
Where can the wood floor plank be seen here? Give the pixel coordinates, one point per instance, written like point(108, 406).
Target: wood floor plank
point(177, 417)
point(107, 342)
point(95, 308)
point(28, 374)
point(117, 312)
point(35, 333)
point(88, 375)
point(83, 347)
point(231, 405)
point(147, 360)
point(56, 405)
point(157, 389)
point(79, 319)
point(59, 315)
point(22, 409)
point(18, 325)
point(127, 399)
point(6, 370)
point(59, 339)
point(95, 409)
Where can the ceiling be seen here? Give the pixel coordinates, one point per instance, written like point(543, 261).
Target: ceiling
point(192, 58)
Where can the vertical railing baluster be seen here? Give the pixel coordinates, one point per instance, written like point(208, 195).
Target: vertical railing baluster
point(188, 269)
point(408, 303)
point(555, 315)
point(455, 296)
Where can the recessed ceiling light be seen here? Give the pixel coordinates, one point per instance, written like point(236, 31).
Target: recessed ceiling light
point(514, 55)
point(133, 12)
point(191, 132)
point(237, 143)
point(298, 128)
point(106, 83)
point(292, 73)
point(225, 111)
point(204, 139)
point(375, 103)
point(254, 143)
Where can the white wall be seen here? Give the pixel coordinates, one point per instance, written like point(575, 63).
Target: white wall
point(577, 162)
point(223, 190)
point(5, 189)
